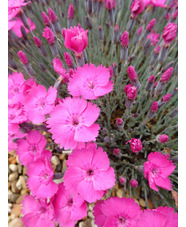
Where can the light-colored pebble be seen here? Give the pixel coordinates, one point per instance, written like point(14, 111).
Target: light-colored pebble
point(19, 169)
point(13, 176)
point(13, 167)
point(14, 188)
point(19, 184)
point(15, 223)
point(9, 207)
point(55, 160)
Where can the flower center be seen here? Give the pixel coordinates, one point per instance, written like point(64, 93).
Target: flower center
point(90, 172)
point(122, 220)
point(33, 148)
point(70, 202)
point(75, 121)
point(43, 209)
point(91, 84)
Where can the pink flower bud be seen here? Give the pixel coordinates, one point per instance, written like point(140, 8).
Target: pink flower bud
point(63, 32)
point(151, 79)
point(125, 39)
point(116, 152)
point(23, 57)
point(110, 4)
point(167, 156)
point(110, 71)
point(155, 84)
point(131, 91)
point(37, 41)
point(166, 97)
point(154, 107)
point(122, 180)
point(163, 138)
point(166, 75)
point(71, 11)
point(46, 19)
point(133, 183)
point(68, 59)
point(137, 7)
point(169, 33)
point(139, 31)
point(52, 15)
point(49, 35)
point(151, 24)
point(167, 16)
point(175, 14)
point(157, 49)
point(135, 145)
point(132, 73)
point(76, 39)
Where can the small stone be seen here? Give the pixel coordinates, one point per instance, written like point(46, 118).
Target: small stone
point(24, 170)
point(17, 160)
point(13, 176)
point(13, 167)
point(55, 160)
point(9, 184)
point(9, 207)
point(12, 160)
point(15, 223)
point(9, 218)
point(14, 188)
point(20, 169)
point(16, 210)
point(24, 192)
point(23, 181)
point(19, 199)
point(86, 223)
point(19, 184)
point(14, 198)
point(9, 195)
point(90, 215)
point(62, 156)
point(142, 202)
point(12, 216)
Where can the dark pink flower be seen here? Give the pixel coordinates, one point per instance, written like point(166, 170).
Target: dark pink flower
point(167, 74)
point(132, 73)
point(37, 41)
point(154, 38)
point(110, 4)
point(151, 78)
point(71, 11)
point(135, 145)
point(37, 212)
point(159, 217)
point(125, 39)
point(39, 103)
point(28, 84)
point(40, 174)
point(166, 97)
point(154, 107)
point(49, 35)
point(31, 148)
point(17, 26)
point(137, 7)
point(116, 151)
point(163, 138)
point(139, 31)
point(89, 171)
point(13, 133)
point(76, 39)
point(46, 19)
point(58, 67)
point(76, 124)
point(52, 16)
point(122, 180)
point(90, 82)
point(116, 212)
point(133, 183)
point(68, 207)
point(156, 3)
point(157, 49)
point(131, 91)
point(68, 59)
point(169, 33)
point(155, 84)
point(14, 7)
point(23, 57)
point(16, 113)
point(151, 24)
point(157, 169)
point(15, 87)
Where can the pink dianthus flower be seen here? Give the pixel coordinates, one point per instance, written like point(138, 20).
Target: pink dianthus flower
point(14, 7)
point(49, 35)
point(166, 75)
point(16, 113)
point(37, 212)
point(72, 121)
point(154, 38)
point(31, 148)
point(137, 7)
point(135, 145)
point(68, 208)
point(39, 103)
point(163, 138)
point(157, 169)
point(117, 212)
point(133, 183)
point(131, 91)
point(166, 97)
point(76, 39)
point(159, 217)
point(89, 171)
point(17, 26)
point(110, 4)
point(90, 82)
point(40, 174)
point(125, 39)
point(169, 33)
point(132, 73)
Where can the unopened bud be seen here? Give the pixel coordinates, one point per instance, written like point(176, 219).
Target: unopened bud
point(133, 183)
point(106, 139)
point(68, 60)
point(162, 138)
point(163, 54)
point(116, 152)
point(150, 82)
point(170, 64)
point(151, 25)
point(23, 57)
point(52, 16)
point(24, 19)
point(174, 113)
point(119, 123)
point(23, 32)
point(88, 22)
point(122, 180)
point(101, 36)
point(46, 19)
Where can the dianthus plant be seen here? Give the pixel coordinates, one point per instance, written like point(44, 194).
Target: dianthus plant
point(96, 79)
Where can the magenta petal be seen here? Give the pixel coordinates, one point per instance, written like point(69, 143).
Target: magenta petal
point(163, 182)
point(85, 134)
